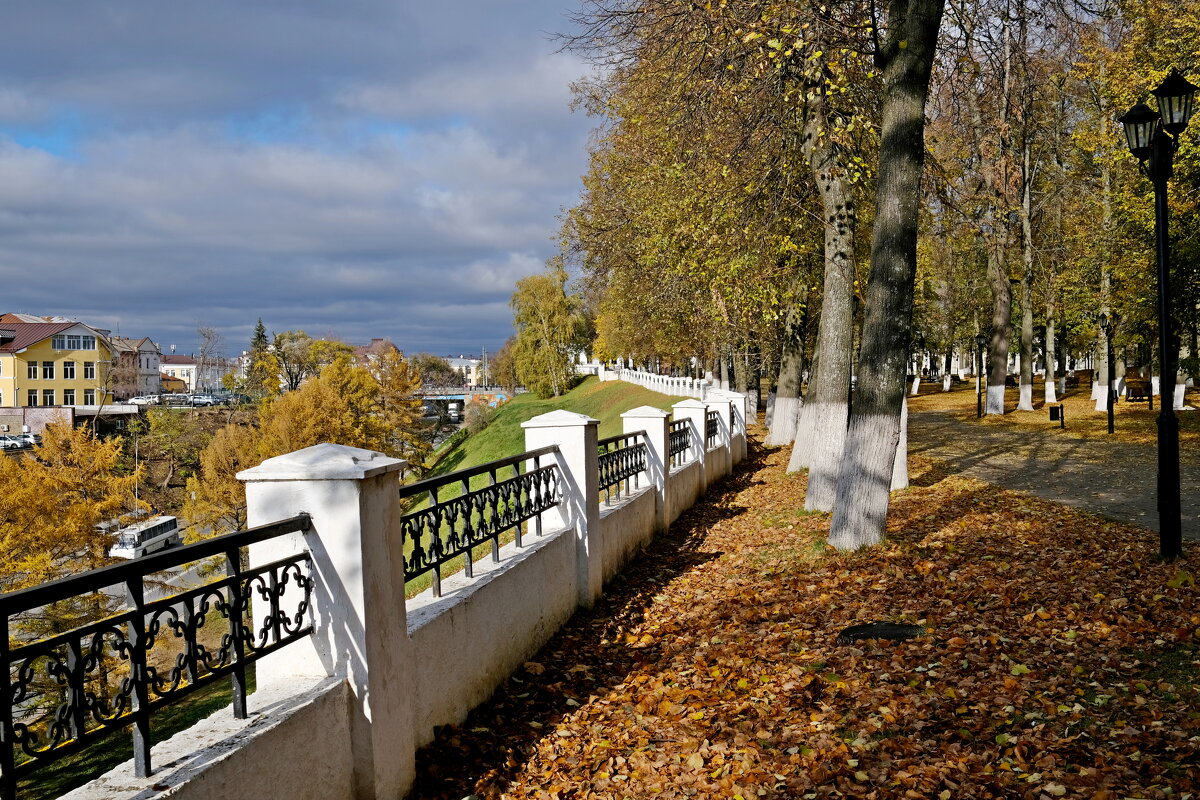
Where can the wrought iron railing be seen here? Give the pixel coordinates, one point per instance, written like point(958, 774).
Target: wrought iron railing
point(712, 427)
point(622, 459)
point(113, 668)
point(460, 514)
point(679, 442)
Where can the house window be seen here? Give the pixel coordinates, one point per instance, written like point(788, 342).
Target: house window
point(89, 370)
point(68, 397)
point(32, 397)
point(32, 370)
point(89, 397)
point(48, 370)
point(74, 342)
point(47, 397)
point(69, 370)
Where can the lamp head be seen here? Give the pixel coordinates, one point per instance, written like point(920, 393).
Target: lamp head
point(1174, 95)
point(1140, 123)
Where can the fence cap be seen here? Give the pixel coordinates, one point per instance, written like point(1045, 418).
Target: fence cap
point(691, 402)
point(559, 419)
point(646, 411)
point(323, 462)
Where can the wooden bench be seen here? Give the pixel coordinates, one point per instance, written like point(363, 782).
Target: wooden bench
point(1137, 390)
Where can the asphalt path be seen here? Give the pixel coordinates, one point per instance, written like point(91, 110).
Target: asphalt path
point(1112, 479)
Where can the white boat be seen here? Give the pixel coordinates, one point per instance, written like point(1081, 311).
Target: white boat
point(147, 536)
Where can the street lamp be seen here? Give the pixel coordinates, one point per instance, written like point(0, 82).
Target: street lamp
point(980, 343)
point(1108, 324)
point(1151, 139)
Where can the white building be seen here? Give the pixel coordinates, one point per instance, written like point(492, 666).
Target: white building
point(199, 378)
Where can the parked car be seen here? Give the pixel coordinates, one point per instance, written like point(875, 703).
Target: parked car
point(146, 400)
point(177, 399)
point(206, 400)
point(11, 443)
point(29, 439)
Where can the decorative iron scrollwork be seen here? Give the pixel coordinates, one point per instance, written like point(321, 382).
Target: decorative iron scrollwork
point(68, 689)
point(450, 527)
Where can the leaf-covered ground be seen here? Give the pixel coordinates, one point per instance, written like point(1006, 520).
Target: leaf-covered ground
point(1060, 660)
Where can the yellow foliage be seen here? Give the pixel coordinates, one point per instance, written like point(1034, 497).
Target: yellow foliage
point(373, 407)
point(50, 506)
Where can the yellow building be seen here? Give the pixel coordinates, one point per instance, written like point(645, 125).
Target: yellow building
point(53, 364)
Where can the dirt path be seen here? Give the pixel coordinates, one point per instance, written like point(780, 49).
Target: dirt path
point(1108, 478)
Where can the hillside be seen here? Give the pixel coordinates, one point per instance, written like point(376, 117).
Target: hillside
point(504, 436)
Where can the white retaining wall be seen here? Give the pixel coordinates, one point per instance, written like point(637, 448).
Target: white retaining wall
point(341, 713)
point(686, 486)
point(626, 528)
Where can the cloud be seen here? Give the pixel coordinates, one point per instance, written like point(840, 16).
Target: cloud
point(375, 169)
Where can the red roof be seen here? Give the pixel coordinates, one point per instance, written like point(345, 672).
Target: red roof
point(30, 333)
point(180, 361)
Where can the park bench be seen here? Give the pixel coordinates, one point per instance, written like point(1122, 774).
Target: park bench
point(1137, 390)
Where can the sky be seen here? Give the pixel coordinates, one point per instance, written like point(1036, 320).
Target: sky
point(354, 168)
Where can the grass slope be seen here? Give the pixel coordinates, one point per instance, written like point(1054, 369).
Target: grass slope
point(504, 436)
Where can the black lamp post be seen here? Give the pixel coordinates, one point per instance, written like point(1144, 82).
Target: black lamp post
point(980, 343)
point(1151, 139)
point(1108, 324)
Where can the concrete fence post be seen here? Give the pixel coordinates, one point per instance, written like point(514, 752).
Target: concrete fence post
point(737, 427)
point(361, 631)
point(657, 425)
point(718, 401)
point(694, 412)
point(576, 437)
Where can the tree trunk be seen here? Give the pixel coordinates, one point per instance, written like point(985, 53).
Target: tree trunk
point(1001, 317)
point(860, 513)
point(822, 429)
point(1051, 355)
point(786, 409)
point(1025, 403)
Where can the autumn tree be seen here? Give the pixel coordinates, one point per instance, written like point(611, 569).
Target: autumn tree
point(51, 505)
point(503, 368)
point(544, 317)
point(263, 369)
point(371, 406)
point(435, 371)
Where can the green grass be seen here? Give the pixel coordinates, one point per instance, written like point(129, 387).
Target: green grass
point(75, 770)
point(504, 436)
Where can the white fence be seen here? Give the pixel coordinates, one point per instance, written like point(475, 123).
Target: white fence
point(341, 713)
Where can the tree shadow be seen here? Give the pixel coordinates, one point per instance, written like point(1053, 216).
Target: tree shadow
point(586, 659)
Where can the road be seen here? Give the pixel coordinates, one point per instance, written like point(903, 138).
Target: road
point(1113, 479)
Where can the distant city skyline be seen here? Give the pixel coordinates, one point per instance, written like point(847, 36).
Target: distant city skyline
point(350, 167)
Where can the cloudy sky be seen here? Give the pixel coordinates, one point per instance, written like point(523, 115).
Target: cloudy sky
point(357, 168)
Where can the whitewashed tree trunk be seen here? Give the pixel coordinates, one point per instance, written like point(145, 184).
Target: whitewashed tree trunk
point(770, 415)
point(994, 404)
point(1180, 390)
point(868, 461)
point(785, 421)
point(1050, 395)
point(823, 420)
point(784, 417)
point(828, 432)
point(1154, 384)
point(946, 382)
point(1026, 401)
point(916, 386)
point(1062, 384)
point(900, 465)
